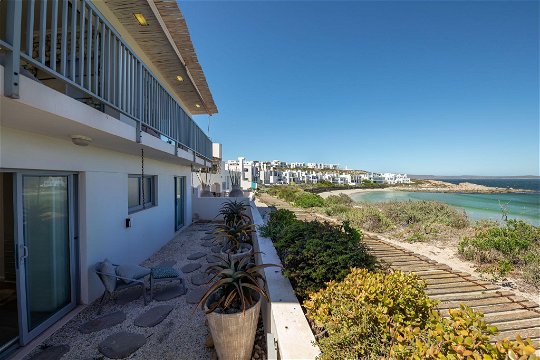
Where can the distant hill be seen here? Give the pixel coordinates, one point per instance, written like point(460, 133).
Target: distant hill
point(457, 177)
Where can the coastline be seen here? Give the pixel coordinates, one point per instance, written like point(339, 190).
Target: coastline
point(445, 251)
point(435, 186)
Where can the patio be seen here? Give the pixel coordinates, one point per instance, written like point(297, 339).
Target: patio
point(169, 328)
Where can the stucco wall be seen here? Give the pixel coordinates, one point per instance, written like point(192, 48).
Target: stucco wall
point(103, 198)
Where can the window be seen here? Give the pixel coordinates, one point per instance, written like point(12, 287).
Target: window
point(136, 185)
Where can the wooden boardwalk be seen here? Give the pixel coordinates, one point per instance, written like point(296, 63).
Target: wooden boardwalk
point(511, 314)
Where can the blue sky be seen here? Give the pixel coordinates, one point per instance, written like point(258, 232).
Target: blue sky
point(442, 87)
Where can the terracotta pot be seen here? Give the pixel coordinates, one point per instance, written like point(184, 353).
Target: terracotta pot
point(244, 249)
point(236, 192)
point(234, 334)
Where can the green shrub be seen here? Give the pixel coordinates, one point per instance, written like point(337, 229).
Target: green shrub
point(340, 199)
point(361, 312)
point(314, 253)
point(285, 192)
point(337, 210)
point(378, 315)
point(370, 218)
point(515, 245)
point(278, 221)
point(406, 213)
point(308, 200)
point(463, 335)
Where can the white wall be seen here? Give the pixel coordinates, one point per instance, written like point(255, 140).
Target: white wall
point(103, 201)
point(207, 208)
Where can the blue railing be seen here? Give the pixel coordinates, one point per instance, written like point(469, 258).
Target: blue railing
point(70, 40)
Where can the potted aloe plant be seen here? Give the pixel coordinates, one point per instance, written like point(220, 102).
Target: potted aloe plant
point(235, 183)
point(205, 184)
point(233, 211)
point(235, 238)
point(232, 305)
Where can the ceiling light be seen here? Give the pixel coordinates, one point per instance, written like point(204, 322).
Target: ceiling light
point(197, 105)
point(81, 140)
point(141, 19)
point(179, 78)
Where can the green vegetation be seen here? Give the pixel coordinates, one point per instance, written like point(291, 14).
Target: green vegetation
point(314, 253)
point(502, 249)
point(499, 250)
point(366, 314)
point(308, 200)
point(378, 315)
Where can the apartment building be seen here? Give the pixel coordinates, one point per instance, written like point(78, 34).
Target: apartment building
point(389, 178)
point(97, 146)
point(249, 172)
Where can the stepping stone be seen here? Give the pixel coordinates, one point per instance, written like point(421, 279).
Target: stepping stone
point(153, 316)
point(167, 263)
point(212, 259)
point(195, 295)
point(200, 279)
point(51, 353)
point(169, 292)
point(216, 249)
point(196, 255)
point(103, 322)
point(128, 295)
point(190, 267)
point(208, 243)
point(208, 237)
point(121, 345)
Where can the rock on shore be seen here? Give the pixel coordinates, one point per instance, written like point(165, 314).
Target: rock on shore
point(441, 186)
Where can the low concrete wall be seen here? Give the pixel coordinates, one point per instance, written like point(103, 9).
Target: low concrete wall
point(288, 333)
point(207, 208)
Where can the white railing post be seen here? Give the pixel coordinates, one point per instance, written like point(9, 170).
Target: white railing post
point(13, 37)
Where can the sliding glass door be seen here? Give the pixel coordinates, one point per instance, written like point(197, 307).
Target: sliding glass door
point(179, 201)
point(45, 247)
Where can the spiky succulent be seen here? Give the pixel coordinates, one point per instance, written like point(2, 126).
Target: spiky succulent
point(233, 211)
point(235, 234)
point(237, 283)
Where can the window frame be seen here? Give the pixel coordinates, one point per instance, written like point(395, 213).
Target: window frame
point(153, 189)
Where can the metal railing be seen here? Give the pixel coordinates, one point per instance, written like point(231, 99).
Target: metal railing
point(71, 41)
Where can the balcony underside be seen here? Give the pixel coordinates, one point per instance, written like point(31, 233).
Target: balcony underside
point(44, 111)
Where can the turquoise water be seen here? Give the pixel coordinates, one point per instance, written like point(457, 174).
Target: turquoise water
point(524, 206)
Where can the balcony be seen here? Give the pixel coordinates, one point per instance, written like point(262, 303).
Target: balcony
point(69, 46)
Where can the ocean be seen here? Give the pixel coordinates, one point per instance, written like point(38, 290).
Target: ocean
point(524, 206)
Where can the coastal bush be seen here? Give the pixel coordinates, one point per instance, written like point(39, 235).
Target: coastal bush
point(514, 245)
point(379, 315)
point(340, 199)
point(462, 335)
point(369, 217)
point(277, 222)
point(285, 192)
point(314, 253)
point(336, 210)
point(361, 313)
point(308, 200)
point(424, 212)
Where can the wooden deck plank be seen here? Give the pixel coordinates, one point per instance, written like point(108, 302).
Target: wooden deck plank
point(495, 318)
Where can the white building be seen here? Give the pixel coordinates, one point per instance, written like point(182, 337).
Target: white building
point(249, 172)
point(389, 178)
point(96, 151)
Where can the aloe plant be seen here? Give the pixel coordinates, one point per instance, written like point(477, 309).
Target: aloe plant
point(233, 211)
point(235, 234)
point(238, 281)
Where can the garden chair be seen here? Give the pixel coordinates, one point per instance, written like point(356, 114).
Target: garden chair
point(119, 277)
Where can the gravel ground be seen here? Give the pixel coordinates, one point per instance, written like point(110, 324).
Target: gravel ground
point(181, 335)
